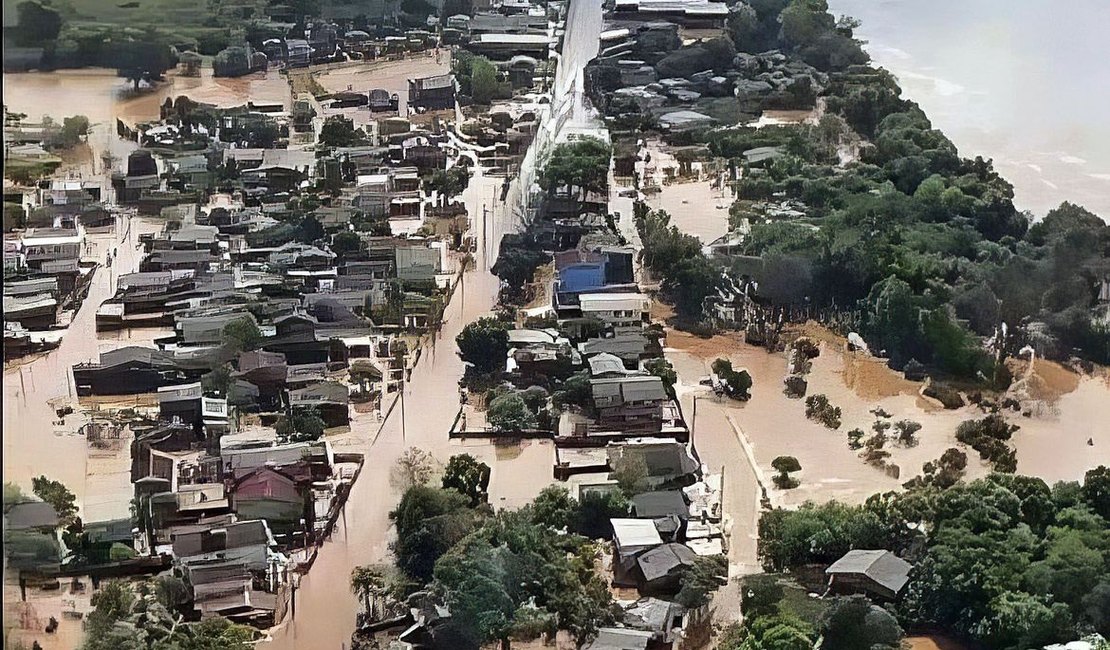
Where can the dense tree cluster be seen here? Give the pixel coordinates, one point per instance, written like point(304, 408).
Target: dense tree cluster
point(142, 616)
point(1005, 560)
point(927, 245)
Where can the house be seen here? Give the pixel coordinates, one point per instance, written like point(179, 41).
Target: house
point(329, 399)
point(659, 570)
point(629, 404)
point(663, 619)
point(418, 263)
point(631, 537)
point(630, 348)
point(877, 573)
point(667, 459)
point(432, 93)
point(52, 250)
point(247, 541)
point(623, 312)
point(297, 52)
point(661, 503)
point(282, 496)
point(503, 46)
point(619, 638)
point(381, 100)
point(126, 371)
point(32, 536)
point(38, 310)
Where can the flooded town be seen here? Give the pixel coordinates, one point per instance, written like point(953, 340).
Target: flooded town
point(576, 324)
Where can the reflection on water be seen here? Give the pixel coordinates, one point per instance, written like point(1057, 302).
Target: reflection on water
point(1025, 83)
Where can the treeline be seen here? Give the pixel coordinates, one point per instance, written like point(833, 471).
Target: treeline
point(1005, 560)
point(926, 245)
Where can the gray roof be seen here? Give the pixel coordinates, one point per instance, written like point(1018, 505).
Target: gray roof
point(615, 638)
point(605, 363)
point(883, 567)
point(661, 561)
point(32, 514)
point(641, 388)
point(651, 614)
point(131, 353)
point(651, 505)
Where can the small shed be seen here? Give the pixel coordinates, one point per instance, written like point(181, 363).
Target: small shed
point(874, 572)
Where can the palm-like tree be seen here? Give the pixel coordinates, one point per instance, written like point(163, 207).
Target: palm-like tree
point(369, 585)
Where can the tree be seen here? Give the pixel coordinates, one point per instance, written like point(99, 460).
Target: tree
point(468, 476)
point(457, 7)
point(1096, 490)
point(701, 579)
point(369, 585)
point(14, 216)
point(907, 432)
point(448, 183)
point(853, 623)
point(414, 467)
point(345, 243)
point(737, 384)
point(575, 391)
point(663, 369)
point(58, 496)
point(483, 80)
point(339, 131)
point(429, 522)
point(307, 425)
point(13, 495)
point(484, 344)
point(143, 59)
point(631, 473)
point(517, 266)
point(554, 507)
point(784, 465)
point(37, 24)
point(509, 414)
point(241, 335)
point(691, 283)
point(310, 230)
point(232, 62)
point(582, 164)
point(594, 512)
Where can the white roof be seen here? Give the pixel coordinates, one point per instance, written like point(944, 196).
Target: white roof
point(633, 533)
point(607, 301)
point(515, 39)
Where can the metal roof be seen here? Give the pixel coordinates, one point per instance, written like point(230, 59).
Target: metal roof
point(883, 567)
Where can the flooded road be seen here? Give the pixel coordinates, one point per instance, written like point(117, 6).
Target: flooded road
point(325, 607)
point(32, 445)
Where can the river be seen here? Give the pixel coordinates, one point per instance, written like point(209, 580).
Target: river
point(1025, 83)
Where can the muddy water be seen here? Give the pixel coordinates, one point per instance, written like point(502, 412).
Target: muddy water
point(33, 445)
point(1051, 445)
point(103, 97)
point(391, 76)
point(326, 609)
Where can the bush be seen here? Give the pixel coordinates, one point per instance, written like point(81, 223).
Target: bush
point(784, 465)
point(987, 436)
point(819, 409)
point(737, 383)
point(509, 413)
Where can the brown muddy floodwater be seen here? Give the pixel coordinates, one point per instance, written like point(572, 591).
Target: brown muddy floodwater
point(100, 95)
point(1052, 444)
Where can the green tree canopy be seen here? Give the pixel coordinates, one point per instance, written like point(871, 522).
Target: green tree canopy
point(484, 344)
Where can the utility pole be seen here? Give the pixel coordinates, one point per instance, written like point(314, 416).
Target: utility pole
point(402, 405)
